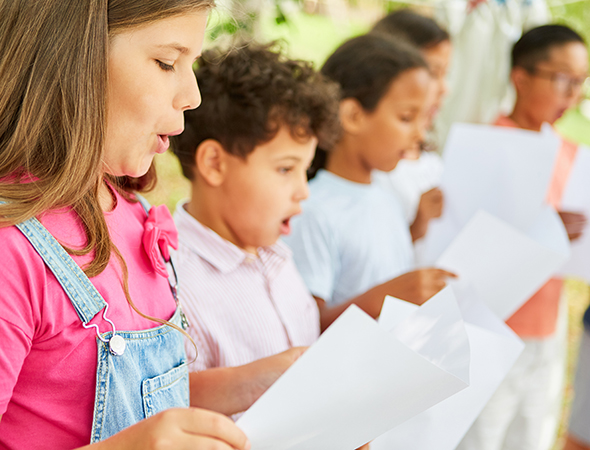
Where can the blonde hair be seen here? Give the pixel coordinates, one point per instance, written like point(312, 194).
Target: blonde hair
point(53, 67)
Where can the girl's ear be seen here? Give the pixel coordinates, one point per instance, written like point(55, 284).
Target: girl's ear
point(211, 162)
point(352, 115)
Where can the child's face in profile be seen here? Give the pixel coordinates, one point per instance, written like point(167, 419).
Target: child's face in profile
point(396, 127)
point(438, 59)
point(150, 84)
point(263, 192)
point(554, 85)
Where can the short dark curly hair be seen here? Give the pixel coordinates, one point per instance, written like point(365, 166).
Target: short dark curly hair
point(248, 93)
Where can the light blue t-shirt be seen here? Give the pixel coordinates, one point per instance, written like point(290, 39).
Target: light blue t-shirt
point(350, 238)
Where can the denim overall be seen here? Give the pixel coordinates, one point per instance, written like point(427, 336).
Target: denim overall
point(139, 373)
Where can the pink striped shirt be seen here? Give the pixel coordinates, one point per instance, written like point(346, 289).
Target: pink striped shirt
point(241, 307)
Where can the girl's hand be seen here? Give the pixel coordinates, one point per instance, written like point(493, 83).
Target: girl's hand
point(431, 204)
point(420, 285)
point(179, 429)
point(430, 207)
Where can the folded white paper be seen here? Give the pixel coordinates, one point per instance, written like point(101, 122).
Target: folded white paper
point(503, 171)
point(499, 268)
point(361, 379)
point(494, 349)
point(576, 198)
point(503, 266)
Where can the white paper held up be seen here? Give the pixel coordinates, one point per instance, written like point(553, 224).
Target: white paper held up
point(502, 265)
point(576, 198)
point(359, 380)
point(494, 349)
point(489, 168)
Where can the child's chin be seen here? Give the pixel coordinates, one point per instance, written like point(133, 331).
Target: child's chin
point(388, 167)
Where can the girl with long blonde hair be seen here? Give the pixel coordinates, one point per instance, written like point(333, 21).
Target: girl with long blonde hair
point(91, 333)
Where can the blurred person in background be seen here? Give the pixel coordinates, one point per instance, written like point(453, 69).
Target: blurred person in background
point(416, 177)
point(549, 66)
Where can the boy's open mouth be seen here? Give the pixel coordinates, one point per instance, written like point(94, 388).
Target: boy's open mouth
point(285, 226)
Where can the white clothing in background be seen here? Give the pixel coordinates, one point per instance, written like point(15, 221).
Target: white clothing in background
point(350, 238)
point(536, 380)
point(479, 77)
point(412, 178)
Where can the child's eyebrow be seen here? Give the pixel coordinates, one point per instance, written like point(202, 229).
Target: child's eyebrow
point(174, 46)
point(286, 158)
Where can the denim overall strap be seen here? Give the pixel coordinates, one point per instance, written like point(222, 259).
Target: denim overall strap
point(149, 377)
point(84, 297)
point(146, 205)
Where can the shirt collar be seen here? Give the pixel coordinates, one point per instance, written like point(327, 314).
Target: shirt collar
point(219, 252)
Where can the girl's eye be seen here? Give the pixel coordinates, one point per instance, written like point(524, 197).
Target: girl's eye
point(285, 170)
point(164, 66)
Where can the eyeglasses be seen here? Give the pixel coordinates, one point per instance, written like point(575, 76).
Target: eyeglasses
point(562, 83)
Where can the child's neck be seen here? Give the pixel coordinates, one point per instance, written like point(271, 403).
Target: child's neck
point(205, 212)
point(523, 119)
point(345, 161)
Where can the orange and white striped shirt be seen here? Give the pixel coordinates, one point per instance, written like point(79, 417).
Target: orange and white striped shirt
point(241, 307)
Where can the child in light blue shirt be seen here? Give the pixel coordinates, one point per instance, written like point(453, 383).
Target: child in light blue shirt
point(352, 243)
point(348, 257)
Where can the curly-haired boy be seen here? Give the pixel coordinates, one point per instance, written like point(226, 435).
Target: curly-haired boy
point(246, 151)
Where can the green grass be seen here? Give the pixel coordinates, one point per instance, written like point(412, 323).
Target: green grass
point(578, 295)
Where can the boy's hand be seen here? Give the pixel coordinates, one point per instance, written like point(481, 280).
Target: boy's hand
point(420, 285)
point(231, 390)
point(264, 372)
point(574, 224)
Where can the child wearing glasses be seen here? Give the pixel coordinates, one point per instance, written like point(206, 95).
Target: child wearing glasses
point(549, 67)
point(246, 152)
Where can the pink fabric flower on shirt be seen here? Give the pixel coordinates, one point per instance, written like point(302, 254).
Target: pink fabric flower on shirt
point(159, 234)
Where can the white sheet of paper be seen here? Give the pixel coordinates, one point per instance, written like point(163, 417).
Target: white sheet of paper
point(360, 380)
point(494, 349)
point(503, 171)
point(502, 265)
point(576, 198)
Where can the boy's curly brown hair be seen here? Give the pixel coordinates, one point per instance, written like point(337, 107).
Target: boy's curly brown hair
point(248, 93)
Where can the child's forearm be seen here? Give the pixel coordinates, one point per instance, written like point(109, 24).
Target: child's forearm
point(227, 390)
point(370, 302)
point(419, 228)
point(414, 287)
point(230, 390)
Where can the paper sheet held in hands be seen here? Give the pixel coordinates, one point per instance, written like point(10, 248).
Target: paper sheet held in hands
point(361, 379)
point(576, 198)
point(489, 168)
point(502, 265)
point(493, 347)
point(499, 267)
